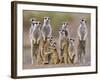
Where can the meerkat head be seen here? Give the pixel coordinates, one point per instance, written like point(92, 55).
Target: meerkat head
point(50, 39)
point(65, 25)
point(62, 32)
point(38, 23)
point(46, 20)
point(71, 40)
point(82, 21)
point(32, 20)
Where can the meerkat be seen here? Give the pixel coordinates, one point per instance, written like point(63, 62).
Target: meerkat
point(71, 50)
point(82, 35)
point(35, 35)
point(65, 52)
point(46, 50)
point(60, 41)
point(82, 30)
point(43, 50)
point(31, 29)
point(65, 26)
point(46, 28)
point(54, 53)
point(63, 33)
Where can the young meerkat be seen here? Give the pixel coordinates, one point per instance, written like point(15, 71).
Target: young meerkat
point(71, 50)
point(43, 50)
point(65, 52)
point(54, 53)
point(82, 35)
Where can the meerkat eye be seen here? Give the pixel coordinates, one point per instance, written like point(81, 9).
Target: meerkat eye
point(82, 20)
point(36, 23)
point(33, 20)
point(39, 23)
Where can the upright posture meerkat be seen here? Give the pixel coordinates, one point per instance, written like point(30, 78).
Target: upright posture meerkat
point(65, 26)
point(46, 28)
point(65, 52)
point(31, 29)
point(35, 35)
point(63, 33)
point(82, 35)
point(71, 50)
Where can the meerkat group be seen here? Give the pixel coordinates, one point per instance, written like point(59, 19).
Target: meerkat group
point(45, 49)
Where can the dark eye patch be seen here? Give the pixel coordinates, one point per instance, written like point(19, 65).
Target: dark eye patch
point(82, 20)
point(36, 23)
point(32, 19)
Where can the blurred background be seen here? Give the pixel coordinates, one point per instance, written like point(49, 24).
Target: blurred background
point(57, 19)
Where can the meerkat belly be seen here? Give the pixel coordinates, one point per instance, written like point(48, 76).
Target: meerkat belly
point(36, 34)
point(46, 30)
point(82, 32)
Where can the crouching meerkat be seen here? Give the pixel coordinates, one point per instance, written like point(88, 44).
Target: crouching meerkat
point(82, 35)
point(46, 28)
point(54, 54)
point(43, 54)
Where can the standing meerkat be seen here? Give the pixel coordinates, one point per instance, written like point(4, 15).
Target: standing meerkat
point(82, 35)
point(60, 41)
point(63, 33)
point(65, 26)
point(46, 28)
point(71, 50)
point(35, 35)
point(31, 29)
point(65, 52)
